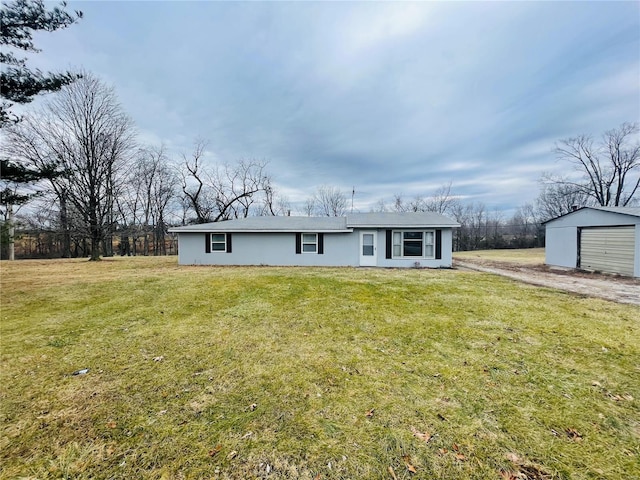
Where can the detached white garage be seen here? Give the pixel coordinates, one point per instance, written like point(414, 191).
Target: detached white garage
point(602, 239)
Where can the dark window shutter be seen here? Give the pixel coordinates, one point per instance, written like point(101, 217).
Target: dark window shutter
point(389, 243)
point(207, 243)
point(228, 243)
point(321, 243)
point(438, 244)
point(298, 243)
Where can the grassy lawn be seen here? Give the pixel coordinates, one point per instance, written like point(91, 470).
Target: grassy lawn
point(528, 256)
point(310, 373)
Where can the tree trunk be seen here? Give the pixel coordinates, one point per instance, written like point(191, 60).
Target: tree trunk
point(12, 254)
point(64, 224)
point(95, 232)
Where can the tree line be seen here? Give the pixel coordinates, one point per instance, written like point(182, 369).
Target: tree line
point(107, 194)
point(88, 188)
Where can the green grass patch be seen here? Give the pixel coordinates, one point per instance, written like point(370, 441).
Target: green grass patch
point(332, 373)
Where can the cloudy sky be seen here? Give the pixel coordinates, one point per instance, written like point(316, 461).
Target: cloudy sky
point(389, 98)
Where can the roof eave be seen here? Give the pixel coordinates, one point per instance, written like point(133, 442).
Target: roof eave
point(435, 225)
point(236, 230)
point(589, 208)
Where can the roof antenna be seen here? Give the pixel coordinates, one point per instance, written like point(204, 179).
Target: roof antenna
point(353, 192)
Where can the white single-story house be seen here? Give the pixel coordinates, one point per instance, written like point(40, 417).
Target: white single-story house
point(359, 239)
point(603, 239)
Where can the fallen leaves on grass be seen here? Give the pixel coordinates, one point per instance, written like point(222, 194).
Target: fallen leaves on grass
point(523, 470)
point(370, 413)
point(533, 472)
point(424, 436)
point(573, 434)
point(407, 462)
point(611, 395)
point(513, 457)
point(112, 425)
point(158, 359)
point(455, 450)
point(392, 473)
point(232, 455)
point(215, 450)
point(619, 398)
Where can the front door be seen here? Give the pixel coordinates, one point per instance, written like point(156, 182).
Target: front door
point(368, 249)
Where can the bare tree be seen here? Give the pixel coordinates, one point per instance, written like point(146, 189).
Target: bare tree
point(224, 191)
point(524, 227)
point(398, 203)
point(416, 204)
point(610, 169)
point(309, 206)
point(442, 201)
point(240, 189)
point(380, 206)
point(83, 131)
point(558, 196)
point(143, 204)
point(193, 184)
point(330, 201)
point(273, 204)
point(473, 226)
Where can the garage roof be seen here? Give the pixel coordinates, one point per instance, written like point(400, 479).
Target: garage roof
point(631, 211)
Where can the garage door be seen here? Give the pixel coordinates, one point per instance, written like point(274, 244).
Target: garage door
point(608, 249)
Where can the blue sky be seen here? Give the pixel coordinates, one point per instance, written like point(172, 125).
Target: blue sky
point(389, 98)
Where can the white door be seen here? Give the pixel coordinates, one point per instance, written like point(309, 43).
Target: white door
point(368, 249)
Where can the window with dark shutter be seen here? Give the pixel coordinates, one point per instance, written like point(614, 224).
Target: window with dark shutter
point(298, 243)
point(228, 243)
point(207, 243)
point(438, 244)
point(389, 244)
point(320, 243)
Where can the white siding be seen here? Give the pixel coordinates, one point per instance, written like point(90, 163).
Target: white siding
point(561, 246)
point(562, 237)
point(608, 249)
point(340, 249)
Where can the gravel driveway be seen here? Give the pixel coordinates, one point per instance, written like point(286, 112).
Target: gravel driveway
point(616, 289)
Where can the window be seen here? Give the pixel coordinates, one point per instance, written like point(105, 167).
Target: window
point(309, 243)
point(429, 244)
point(218, 242)
point(414, 244)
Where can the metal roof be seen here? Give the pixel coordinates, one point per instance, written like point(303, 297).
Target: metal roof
point(322, 224)
point(404, 219)
point(632, 211)
point(270, 224)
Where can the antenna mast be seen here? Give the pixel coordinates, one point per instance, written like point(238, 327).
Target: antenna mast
point(353, 192)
